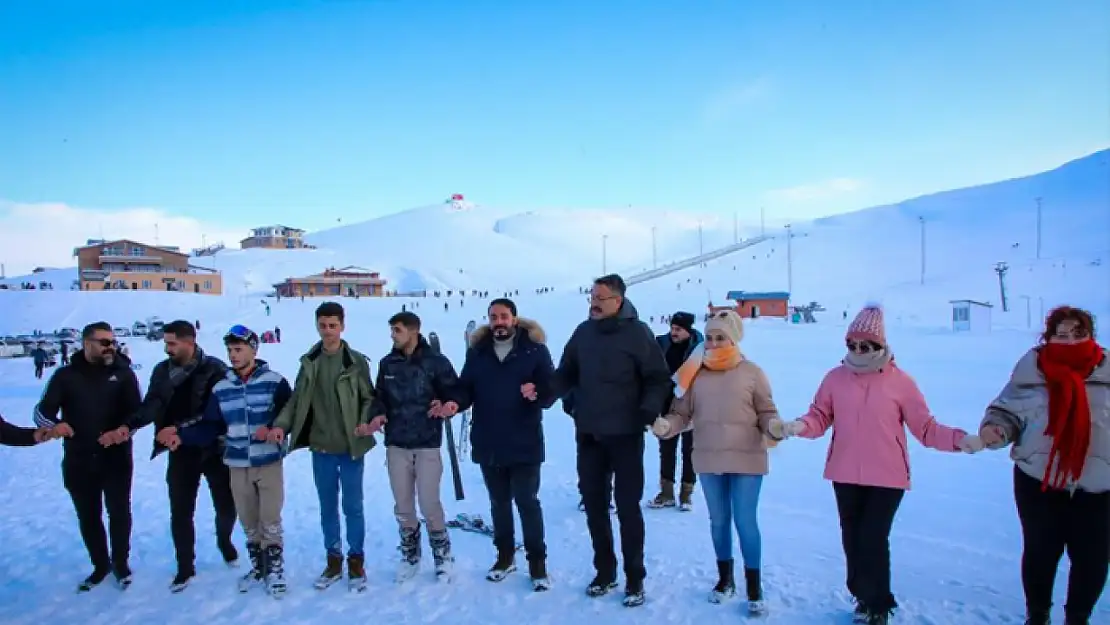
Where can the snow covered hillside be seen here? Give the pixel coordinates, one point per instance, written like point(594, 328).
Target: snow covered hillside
point(956, 543)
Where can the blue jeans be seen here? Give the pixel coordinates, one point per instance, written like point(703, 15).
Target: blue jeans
point(734, 498)
point(334, 473)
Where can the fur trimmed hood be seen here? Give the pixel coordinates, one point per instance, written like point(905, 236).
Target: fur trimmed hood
point(533, 328)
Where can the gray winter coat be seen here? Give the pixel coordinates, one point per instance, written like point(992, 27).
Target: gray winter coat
point(1021, 410)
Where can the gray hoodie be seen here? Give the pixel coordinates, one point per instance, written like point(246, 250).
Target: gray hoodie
point(1021, 410)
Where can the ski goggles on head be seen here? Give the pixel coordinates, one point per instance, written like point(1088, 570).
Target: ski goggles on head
point(242, 333)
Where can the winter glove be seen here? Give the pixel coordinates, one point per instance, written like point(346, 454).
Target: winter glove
point(971, 444)
point(779, 429)
point(661, 427)
point(775, 429)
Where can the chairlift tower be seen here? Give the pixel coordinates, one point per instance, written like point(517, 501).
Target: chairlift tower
point(1001, 268)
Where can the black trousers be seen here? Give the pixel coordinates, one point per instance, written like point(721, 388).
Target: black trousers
point(866, 516)
point(95, 483)
point(1056, 521)
point(520, 484)
point(183, 472)
point(38, 370)
point(621, 457)
point(668, 452)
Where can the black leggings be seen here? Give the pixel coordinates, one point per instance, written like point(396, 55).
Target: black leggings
point(1056, 521)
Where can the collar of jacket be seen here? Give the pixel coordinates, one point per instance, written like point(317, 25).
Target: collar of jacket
point(417, 354)
point(526, 330)
point(260, 367)
point(77, 360)
point(318, 349)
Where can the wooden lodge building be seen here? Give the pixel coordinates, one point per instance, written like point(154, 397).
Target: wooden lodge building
point(126, 264)
point(343, 282)
point(752, 305)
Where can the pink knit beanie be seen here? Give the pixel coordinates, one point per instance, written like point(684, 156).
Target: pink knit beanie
point(868, 325)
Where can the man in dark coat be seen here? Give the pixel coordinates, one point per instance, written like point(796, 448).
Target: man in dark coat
point(506, 380)
point(416, 389)
point(179, 389)
point(677, 345)
point(89, 403)
point(620, 382)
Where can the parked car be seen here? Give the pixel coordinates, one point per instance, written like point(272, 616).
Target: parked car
point(138, 329)
point(10, 347)
point(121, 332)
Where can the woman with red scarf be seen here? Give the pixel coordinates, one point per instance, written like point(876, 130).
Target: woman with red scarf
point(1056, 412)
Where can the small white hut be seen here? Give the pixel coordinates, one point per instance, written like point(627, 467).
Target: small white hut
point(970, 316)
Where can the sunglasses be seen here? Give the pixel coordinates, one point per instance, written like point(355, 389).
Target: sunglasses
point(863, 347)
point(105, 343)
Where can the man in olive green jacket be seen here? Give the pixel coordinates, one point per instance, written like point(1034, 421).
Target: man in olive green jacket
point(329, 414)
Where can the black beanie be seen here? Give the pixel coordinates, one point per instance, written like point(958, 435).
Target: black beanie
point(683, 320)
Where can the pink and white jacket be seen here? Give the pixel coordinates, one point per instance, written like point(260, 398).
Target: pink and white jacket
point(868, 413)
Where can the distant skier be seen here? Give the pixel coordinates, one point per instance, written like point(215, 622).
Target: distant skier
point(38, 355)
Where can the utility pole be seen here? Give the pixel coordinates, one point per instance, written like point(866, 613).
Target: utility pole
point(789, 261)
point(701, 244)
point(1001, 268)
point(156, 234)
point(604, 252)
point(922, 220)
point(654, 255)
point(1038, 228)
point(735, 228)
point(1028, 311)
point(762, 222)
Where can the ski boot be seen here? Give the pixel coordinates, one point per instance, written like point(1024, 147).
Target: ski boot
point(441, 554)
point(274, 567)
point(257, 574)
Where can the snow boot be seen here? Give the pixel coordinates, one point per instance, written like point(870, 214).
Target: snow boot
point(754, 586)
point(859, 614)
point(122, 572)
point(181, 580)
point(665, 498)
point(273, 564)
point(356, 573)
point(633, 594)
point(332, 573)
point(410, 554)
point(601, 586)
point(257, 574)
point(726, 583)
point(505, 564)
point(94, 579)
point(537, 570)
point(686, 497)
point(440, 543)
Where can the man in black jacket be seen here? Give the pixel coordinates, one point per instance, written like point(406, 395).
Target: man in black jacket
point(88, 403)
point(620, 381)
point(677, 345)
point(507, 380)
point(175, 401)
point(416, 388)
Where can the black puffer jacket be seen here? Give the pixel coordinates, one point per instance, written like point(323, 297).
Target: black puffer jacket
point(92, 399)
point(406, 387)
point(184, 404)
point(617, 374)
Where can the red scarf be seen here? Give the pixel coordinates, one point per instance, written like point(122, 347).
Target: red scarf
point(1066, 368)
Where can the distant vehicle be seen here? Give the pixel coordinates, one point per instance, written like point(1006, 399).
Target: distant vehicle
point(10, 347)
point(121, 332)
point(138, 329)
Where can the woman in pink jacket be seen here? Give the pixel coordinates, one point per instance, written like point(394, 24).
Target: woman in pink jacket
point(869, 402)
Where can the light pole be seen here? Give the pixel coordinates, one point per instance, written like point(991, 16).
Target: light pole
point(735, 229)
point(701, 245)
point(1028, 311)
point(1038, 228)
point(762, 222)
point(922, 220)
point(604, 251)
point(789, 261)
point(654, 255)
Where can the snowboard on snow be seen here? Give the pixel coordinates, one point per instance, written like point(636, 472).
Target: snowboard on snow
point(475, 524)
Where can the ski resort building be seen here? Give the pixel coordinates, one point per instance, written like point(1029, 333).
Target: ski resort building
point(342, 282)
point(275, 238)
point(752, 304)
point(970, 316)
point(126, 264)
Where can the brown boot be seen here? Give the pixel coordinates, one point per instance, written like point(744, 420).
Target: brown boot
point(686, 497)
point(332, 572)
point(665, 498)
point(505, 564)
point(356, 573)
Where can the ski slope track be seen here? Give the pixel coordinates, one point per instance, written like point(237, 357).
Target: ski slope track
point(956, 544)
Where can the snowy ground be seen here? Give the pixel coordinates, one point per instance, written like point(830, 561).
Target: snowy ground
point(956, 542)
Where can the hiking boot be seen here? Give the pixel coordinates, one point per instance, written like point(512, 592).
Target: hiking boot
point(633, 594)
point(333, 572)
point(686, 497)
point(273, 565)
point(356, 573)
point(726, 583)
point(505, 564)
point(94, 579)
point(665, 498)
point(601, 586)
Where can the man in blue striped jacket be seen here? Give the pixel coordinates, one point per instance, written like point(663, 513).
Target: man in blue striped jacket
point(249, 398)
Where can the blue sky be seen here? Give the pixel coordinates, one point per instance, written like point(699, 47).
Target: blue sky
point(307, 112)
